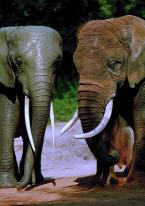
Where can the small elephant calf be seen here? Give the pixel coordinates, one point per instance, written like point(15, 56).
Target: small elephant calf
point(122, 140)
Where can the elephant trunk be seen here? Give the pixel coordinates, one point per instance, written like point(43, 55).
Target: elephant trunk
point(91, 111)
point(41, 96)
point(40, 99)
point(94, 111)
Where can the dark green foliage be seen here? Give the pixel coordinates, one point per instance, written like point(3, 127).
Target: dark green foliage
point(65, 101)
point(66, 16)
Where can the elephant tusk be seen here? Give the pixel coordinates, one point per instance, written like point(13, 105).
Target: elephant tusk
point(70, 123)
point(52, 120)
point(27, 122)
point(101, 126)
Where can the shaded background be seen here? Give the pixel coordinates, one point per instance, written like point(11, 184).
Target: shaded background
point(66, 16)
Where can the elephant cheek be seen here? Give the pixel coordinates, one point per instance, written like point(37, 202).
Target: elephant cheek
point(23, 83)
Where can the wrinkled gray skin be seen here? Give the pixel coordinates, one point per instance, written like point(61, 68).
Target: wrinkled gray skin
point(29, 57)
point(110, 57)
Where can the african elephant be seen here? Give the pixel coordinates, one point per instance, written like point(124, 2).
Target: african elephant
point(110, 60)
point(29, 59)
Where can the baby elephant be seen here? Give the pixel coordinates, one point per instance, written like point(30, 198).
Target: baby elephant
point(122, 141)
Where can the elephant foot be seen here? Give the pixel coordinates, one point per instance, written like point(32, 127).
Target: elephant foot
point(112, 178)
point(106, 176)
point(37, 178)
point(7, 180)
point(24, 182)
point(102, 176)
point(27, 180)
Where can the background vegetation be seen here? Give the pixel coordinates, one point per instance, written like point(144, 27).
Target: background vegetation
point(66, 16)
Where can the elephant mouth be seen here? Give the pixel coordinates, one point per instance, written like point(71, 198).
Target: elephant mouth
point(27, 121)
point(99, 128)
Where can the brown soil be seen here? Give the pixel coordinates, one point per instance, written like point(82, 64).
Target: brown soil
point(74, 191)
point(71, 168)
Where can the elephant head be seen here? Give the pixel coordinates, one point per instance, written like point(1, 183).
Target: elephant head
point(109, 53)
point(33, 54)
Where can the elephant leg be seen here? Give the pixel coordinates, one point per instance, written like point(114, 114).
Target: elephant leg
point(16, 168)
point(137, 170)
point(9, 117)
point(28, 173)
point(99, 149)
point(37, 165)
point(99, 173)
point(26, 168)
point(103, 175)
point(36, 176)
point(25, 159)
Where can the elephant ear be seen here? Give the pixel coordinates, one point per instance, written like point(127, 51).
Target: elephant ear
point(7, 76)
point(136, 67)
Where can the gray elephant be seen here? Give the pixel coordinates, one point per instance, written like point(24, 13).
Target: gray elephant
point(29, 59)
point(110, 60)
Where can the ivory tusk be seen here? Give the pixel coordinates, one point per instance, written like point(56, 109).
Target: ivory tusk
point(52, 121)
point(27, 122)
point(70, 123)
point(101, 126)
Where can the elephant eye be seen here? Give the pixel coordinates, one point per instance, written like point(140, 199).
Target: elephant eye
point(114, 65)
point(19, 62)
point(111, 64)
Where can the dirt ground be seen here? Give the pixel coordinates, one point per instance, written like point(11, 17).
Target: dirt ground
point(69, 168)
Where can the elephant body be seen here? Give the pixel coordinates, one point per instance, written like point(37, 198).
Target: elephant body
point(29, 59)
point(110, 60)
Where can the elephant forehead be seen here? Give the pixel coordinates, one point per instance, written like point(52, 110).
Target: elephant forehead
point(98, 42)
point(99, 49)
point(92, 51)
point(99, 35)
point(97, 28)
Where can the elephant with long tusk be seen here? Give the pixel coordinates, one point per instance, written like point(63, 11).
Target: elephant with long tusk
point(29, 59)
point(110, 60)
point(99, 128)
